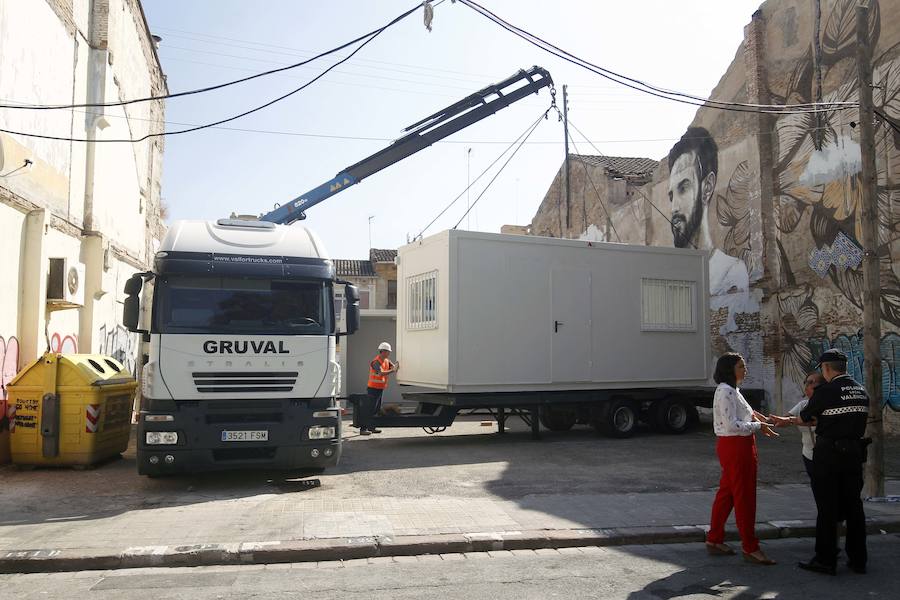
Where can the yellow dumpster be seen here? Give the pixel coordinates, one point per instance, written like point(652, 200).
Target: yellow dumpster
point(69, 409)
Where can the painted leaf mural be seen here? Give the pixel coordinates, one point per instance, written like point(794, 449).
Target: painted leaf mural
point(733, 213)
point(839, 36)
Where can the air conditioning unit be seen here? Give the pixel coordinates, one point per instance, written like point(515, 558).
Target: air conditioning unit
point(65, 283)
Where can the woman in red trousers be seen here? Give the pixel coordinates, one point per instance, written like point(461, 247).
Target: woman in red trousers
point(735, 424)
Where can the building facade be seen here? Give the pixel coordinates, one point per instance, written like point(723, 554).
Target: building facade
point(774, 199)
point(77, 219)
point(599, 204)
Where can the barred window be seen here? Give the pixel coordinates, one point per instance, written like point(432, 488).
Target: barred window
point(421, 293)
point(667, 305)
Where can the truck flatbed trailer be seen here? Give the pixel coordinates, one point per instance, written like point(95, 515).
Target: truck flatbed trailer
point(613, 412)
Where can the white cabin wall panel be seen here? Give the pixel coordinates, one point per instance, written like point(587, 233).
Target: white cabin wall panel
point(504, 320)
point(423, 353)
point(622, 351)
point(503, 295)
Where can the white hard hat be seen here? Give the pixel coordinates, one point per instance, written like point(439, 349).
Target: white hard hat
point(384, 346)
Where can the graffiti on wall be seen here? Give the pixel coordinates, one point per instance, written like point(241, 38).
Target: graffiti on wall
point(817, 199)
point(816, 160)
point(852, 346)
point(64, 343)
point(121, 344)
point(804, 340)
point(818, 168)
point(9, 366)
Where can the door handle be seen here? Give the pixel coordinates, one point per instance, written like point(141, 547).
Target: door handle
point(556, 325)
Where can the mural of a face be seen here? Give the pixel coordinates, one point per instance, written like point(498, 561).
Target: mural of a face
point(693, 163)
point(684, 194)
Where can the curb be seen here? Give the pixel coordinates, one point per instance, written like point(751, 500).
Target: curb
point(334, 549)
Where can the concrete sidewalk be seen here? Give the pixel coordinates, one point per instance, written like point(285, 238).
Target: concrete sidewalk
point(400, 493)
point(297, 527)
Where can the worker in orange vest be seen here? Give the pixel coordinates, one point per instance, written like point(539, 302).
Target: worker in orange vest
point(379, 368)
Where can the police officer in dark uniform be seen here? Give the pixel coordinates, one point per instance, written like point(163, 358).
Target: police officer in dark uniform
point(840, 408)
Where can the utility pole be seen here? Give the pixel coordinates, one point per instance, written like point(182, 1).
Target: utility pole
point(566, 135)
point(874, 475)
point(370, 230)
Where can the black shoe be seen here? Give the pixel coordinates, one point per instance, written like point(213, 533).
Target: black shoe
point(365, 432)
point(859, 569)
point(816, 567)
point(375, 431)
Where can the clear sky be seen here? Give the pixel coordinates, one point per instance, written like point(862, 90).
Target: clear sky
point(407, 73)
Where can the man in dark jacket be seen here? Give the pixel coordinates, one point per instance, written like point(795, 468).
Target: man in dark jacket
point(840, 408)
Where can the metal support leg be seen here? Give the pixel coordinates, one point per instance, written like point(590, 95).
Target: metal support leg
point(535, 423)
point(501, 420)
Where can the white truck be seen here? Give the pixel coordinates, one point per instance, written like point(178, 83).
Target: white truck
point(241, 368)
point(556, 331)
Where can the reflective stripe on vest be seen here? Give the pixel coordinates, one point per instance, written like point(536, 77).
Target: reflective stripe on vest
point(376, 380)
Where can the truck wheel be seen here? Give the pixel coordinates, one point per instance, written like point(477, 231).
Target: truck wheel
point(674, 415)
point(558, 418)
point(617, 418)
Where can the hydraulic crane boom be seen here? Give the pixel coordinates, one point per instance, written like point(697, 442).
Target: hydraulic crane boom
point(418, 136)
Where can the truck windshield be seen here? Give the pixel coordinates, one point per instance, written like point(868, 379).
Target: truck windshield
point(192, 304)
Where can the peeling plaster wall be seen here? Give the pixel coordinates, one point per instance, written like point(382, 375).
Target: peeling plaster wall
point(35, 42)
point(51, 53)
point(11, 249)
point(616, 218)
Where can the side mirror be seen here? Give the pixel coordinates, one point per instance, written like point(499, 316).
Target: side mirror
point(351, 295)
point(131, 316)
point(134, 284)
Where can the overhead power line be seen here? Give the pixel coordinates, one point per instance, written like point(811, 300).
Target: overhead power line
point(368, 37)
point(635, 84)
point(354, 84)
point(497, 174)
point(221, 121)
point(431, 71)
point(522, 135)
point(342, 72)
point(270, 56)
point(597, 192)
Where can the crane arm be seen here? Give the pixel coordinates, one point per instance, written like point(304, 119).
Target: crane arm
point(418, 136)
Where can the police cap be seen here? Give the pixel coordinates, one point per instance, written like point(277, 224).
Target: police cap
point(833, 355)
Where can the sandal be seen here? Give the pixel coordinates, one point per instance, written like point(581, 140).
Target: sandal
point(718, 549)
point(761, 559)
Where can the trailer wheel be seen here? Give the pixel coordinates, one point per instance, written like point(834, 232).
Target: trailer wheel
point(674, 415)
point(617, 418)
point(558, 418)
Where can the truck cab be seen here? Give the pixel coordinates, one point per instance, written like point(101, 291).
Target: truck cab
point(241, 369)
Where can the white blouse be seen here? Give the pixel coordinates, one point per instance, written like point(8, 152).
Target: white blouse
point(732, 414)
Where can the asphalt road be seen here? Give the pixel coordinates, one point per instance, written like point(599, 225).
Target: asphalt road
point(658, 572)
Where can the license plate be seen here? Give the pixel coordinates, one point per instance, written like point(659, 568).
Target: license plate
point(245, 436)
